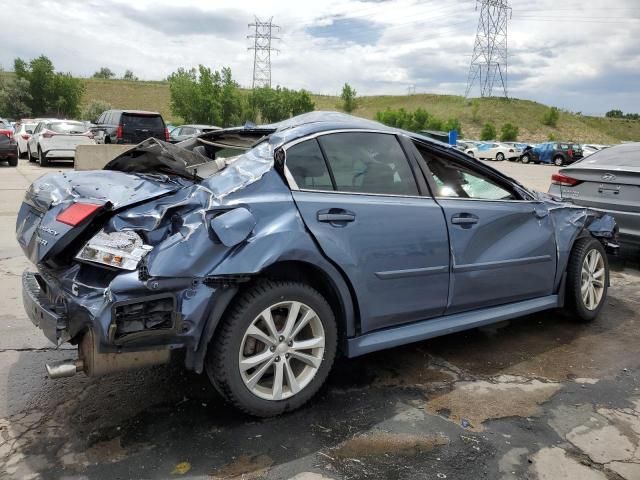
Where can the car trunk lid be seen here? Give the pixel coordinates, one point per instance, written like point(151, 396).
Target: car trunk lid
point(43, 233)
point(601, 186)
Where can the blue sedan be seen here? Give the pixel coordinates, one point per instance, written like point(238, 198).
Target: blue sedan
point(263, 251)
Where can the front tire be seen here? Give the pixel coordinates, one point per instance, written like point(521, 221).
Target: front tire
point(525, 158)
point(274, 349)
point(500, 157)
point(587, 279)
point(558, 161)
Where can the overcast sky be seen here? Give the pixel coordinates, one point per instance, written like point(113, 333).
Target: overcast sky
point(579, 55)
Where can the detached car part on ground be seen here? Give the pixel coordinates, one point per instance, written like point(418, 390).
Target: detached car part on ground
point(326, 234)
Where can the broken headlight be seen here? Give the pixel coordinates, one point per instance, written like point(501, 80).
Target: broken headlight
point(117, 249)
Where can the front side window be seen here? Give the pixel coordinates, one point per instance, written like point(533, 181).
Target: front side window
point(307, 165)
point(456, 180)
point(368, 163)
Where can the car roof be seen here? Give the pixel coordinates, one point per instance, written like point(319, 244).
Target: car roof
point(135, 112)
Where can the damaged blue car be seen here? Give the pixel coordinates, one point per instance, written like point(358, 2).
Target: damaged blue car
point(263, 252)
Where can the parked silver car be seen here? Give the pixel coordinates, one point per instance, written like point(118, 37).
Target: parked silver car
point(607, 180)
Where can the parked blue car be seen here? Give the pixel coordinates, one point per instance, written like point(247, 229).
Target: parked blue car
point(262, 252)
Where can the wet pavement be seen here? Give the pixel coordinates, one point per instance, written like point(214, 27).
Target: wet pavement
point(537, 398)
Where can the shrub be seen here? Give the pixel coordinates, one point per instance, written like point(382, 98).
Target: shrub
point(551, 117)
point(488, 132)
point(348, 96)
point(509, 133)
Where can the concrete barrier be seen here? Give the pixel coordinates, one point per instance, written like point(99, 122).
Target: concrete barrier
point(95, 157)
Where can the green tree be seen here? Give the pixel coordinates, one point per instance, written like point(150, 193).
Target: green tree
point(49, 92)
point(207, 96)
point(128, 75)
point(551, 117)
point(276, 104)
point(453, 124)
point(104, 72)
point(488, 132)
point(509, 132)
point(348, 96)
point(614, 114)
point(92, 111)
point(15, 98)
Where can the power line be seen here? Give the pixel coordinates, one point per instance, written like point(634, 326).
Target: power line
point(489, 60)
point(262, 36)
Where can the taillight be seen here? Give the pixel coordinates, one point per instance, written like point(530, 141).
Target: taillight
point(565, 181)
point(166, 134)
point(119, 132)
point(76, 213)
point(570, 152)
point(25, 136)
point(89, 134)
point(48, 134)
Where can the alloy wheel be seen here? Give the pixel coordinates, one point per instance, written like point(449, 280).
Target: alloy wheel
point(282, 350)
point(592, 279)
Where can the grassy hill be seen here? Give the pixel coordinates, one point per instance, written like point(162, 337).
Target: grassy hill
point(524, 113)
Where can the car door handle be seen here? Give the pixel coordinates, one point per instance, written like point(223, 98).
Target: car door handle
point(335, 215)
point(464, 219)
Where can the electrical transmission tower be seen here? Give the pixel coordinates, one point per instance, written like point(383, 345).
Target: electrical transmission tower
point(489, 59)
point(262, 35)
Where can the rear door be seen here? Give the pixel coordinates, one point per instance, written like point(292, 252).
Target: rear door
point(358, 195)
point(502, 244)
point(137, 127)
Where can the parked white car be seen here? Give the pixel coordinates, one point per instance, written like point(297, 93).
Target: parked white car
point(22, 135)
point(57, 140)
point(494, 151)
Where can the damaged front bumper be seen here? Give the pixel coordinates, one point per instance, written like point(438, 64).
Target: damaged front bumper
point(122, 321)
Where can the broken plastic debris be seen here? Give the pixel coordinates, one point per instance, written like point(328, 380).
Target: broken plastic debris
point(181, 468)
point(465, 423)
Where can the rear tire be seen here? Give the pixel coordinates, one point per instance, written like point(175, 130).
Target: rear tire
point(500, 157)
point(260, 366)
point(525, 158)
point(558, 161)
point(587, 279)
point(13, 162)
point(42, 158)
point(29, 156)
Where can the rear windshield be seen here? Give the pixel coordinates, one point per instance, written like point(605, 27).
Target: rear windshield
point(29, 126)
point(148, 122)
point(620, 156)
point(67, 127)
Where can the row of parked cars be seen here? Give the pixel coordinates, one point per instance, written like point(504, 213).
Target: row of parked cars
point(43, 140)
point(557, 153)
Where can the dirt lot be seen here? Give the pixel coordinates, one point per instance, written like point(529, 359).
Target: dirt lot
point(538, 398)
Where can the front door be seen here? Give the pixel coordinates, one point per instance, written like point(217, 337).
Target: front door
point(502, 243)
point(358, 195)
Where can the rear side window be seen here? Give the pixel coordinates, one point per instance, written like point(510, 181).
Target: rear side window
point(368, 163)
point(307, 165)
point(149, 122)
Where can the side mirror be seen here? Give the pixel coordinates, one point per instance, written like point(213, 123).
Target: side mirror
point(30, 132)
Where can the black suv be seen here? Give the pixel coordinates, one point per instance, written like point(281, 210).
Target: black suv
point(129, 126)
